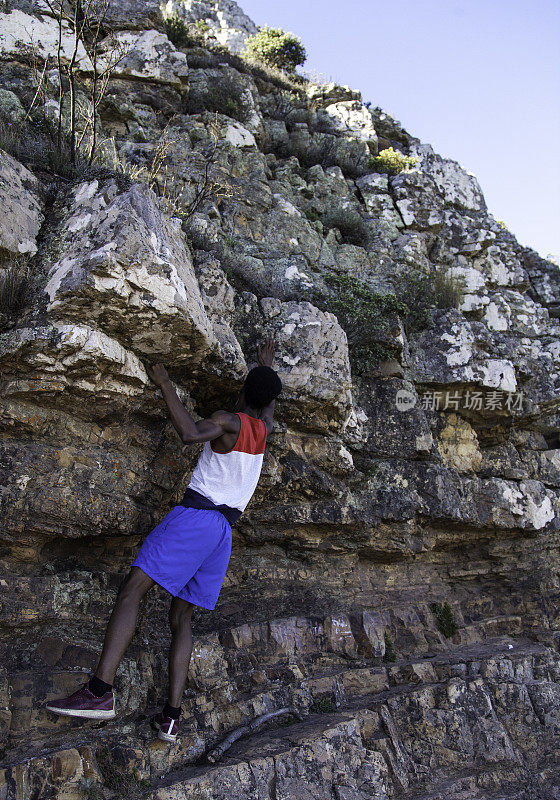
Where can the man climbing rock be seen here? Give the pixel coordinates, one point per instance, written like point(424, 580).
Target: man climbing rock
point(188, 552)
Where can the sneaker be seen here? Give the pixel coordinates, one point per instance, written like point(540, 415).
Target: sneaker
point(167, 727)
point(84, 703)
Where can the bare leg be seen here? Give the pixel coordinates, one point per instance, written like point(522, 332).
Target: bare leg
point(181, 648)
point(122, 622)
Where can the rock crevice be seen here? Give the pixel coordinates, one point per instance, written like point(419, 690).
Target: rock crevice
point(414, 461)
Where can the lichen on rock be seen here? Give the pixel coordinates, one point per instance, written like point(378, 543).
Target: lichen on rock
point(231, 197)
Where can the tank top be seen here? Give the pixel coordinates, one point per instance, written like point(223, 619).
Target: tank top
point(226, 482)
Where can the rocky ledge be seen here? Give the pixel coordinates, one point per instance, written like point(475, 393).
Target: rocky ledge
point(394, 584)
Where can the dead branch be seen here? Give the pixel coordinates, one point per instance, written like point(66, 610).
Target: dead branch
point(217, 752)
point(86, 19)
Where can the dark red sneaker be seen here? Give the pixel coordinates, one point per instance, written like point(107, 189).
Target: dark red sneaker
point(84, 703)
point(166, 727)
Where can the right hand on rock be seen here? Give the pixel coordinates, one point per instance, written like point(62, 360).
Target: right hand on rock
point(157, 373)
point(265, 353)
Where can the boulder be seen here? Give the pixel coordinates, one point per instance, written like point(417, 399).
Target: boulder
point(349, 118)
point(123, 263)
point(457, 186)
point(508, 310)
point(148, 55)
point(374, 191)
point(71, 358)
point(501, 267)
point(227, 21)
point(545, 280)
point(11, 109)
point(327, 94)
point(228, 91)
point(418, 200)
point(457, 351)
point(21, 208)
point(24, 35)
point(314, 360)
point(464, 235)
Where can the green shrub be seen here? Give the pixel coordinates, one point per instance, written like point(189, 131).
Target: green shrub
point(390, 654)
point(325, 705)
point(353, 228)
point(225, 96)
point(449, 289)
point(422, 291)
point(35, 145)
point(14, 280)
point(502, 224)
point(391, 161)
point(312, 215)
point(364, 315)
point(445, 621)
point(275, 48)
point(183, 34)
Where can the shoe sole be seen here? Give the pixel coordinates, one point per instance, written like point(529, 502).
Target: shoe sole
point(165, 737)
point(82, 712)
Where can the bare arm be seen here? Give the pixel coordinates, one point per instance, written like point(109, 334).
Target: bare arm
point(204, 430)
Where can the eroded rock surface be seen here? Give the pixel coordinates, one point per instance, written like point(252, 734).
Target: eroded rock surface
point(430, 475)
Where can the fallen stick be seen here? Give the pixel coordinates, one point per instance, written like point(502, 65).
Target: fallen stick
point(217, 752)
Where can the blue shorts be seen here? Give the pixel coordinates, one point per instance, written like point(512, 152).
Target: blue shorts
point(188, 554)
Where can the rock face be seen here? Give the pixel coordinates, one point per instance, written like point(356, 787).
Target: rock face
point(227, 21)
point(20, 208)
point(414, 463)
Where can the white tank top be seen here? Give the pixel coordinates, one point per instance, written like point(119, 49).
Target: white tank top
point(231, 478)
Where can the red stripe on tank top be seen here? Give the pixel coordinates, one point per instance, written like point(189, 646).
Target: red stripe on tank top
point(252, 436)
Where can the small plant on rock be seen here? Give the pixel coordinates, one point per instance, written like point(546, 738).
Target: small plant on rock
point(312, 215)
point(283, 105)
point(349, 222)
point(390, 654)
point(14, 280)
point(123, 782)
point(449, 289)
point(363, 313)
point(326, 705)
point(86, 20)
point(391, 161)
point(445, 621)
point(182, 34)
point(275, 48)
point(422, 291)
point(202, 26)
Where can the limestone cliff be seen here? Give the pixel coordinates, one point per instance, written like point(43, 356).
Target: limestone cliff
point(415, 460)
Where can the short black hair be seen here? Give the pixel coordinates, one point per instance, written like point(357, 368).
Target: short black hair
point(262, 385)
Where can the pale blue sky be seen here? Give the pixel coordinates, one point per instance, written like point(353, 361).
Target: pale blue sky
point(478, 80)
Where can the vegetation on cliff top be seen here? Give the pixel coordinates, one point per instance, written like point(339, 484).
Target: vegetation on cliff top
point(391, 161)
point(276, 49)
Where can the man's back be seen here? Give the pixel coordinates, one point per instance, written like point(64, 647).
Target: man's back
point(230, 478)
